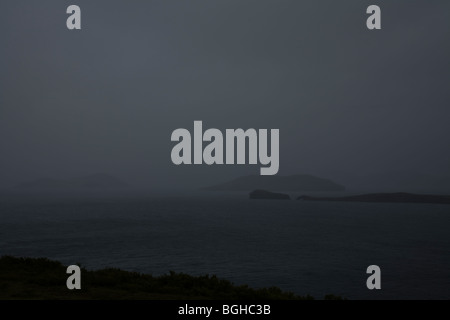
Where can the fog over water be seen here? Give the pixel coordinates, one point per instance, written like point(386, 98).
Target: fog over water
point(351, 104)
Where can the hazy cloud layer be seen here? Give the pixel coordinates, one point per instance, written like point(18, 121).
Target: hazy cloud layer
point(348, 101)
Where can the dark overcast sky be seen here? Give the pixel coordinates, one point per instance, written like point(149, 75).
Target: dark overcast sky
point(347, 101)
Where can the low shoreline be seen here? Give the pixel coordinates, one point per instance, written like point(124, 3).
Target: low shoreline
point(399, 197)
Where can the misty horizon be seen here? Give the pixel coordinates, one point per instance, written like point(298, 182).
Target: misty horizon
point(238, 149)
point(349, 103)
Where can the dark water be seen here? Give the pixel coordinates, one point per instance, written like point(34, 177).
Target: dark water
point(312, 248)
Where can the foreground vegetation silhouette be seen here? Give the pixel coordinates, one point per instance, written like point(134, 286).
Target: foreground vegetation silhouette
point(41, 278)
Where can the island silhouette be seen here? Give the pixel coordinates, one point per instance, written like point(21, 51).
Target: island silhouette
point(398, 197)
point(297, 182)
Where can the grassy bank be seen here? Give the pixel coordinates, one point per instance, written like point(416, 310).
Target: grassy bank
point(31, 278)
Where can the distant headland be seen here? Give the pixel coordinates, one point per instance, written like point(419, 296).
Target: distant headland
point(99, 181)
point(292, 183)
point(399, 197)
point(263, 194)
